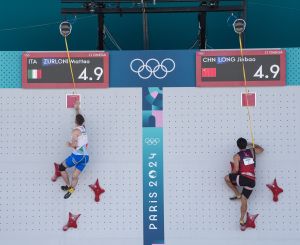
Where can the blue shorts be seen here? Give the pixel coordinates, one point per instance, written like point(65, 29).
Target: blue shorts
point(79, 161)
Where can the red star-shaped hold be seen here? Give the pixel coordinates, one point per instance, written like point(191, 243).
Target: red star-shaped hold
point(276, 190)
point(72, 222)
point(97, 190)
point(250, 222)
point(56, 173)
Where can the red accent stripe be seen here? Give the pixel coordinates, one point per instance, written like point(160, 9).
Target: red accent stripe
point(39, 74)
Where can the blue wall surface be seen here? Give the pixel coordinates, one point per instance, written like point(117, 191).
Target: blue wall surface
point(270, 23)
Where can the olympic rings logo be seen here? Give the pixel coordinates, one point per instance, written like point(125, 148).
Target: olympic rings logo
point(152, 141)
point(152, 67)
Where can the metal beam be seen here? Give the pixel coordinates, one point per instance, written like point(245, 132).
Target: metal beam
point(145, 1)
point(244, 16)
point(102, 7)
point(202, 34)
point(151, 10)
point(100, 31)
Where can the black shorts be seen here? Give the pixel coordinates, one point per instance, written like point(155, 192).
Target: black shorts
point(247, 183)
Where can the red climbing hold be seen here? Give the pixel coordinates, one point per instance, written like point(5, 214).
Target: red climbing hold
point(250, 222)
point(276, 190)
point(56, 173)
point(72, 222)
point(97, 190)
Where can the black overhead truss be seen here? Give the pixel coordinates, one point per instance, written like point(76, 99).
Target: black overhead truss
point(102, 7)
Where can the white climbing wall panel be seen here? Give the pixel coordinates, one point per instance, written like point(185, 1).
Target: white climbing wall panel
point(34, 128)
point(201, 128)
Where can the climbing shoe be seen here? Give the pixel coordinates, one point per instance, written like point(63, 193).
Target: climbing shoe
point(69, 193)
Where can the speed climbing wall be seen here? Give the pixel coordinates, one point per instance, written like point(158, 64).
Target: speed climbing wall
point(200, 126)
point(35, 126)
point(203, 126)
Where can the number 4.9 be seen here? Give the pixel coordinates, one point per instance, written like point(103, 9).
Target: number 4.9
point(98, 72)
point(274, 69)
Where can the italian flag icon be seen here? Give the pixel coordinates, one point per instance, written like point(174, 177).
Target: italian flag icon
point(34, 74)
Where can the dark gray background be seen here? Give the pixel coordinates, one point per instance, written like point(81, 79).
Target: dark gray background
point(61, 73)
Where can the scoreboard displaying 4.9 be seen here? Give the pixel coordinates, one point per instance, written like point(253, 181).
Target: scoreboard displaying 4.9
point(52, 70)
point(225, 68)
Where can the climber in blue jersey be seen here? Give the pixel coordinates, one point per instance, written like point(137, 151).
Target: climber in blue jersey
point(79, 157)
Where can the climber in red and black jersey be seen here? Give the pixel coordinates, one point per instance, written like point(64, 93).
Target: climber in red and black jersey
point(243, 173)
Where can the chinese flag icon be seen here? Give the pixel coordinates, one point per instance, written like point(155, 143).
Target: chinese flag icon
point(209, 72)
point(251, 99)
point(71, 100)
